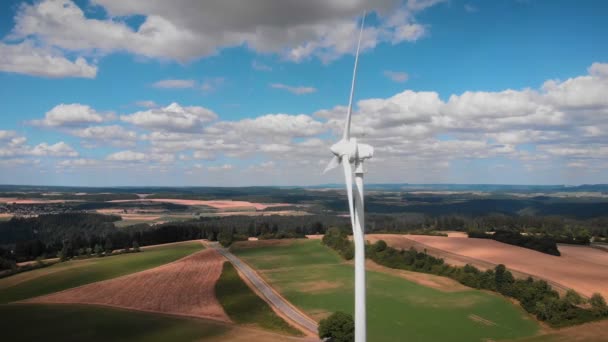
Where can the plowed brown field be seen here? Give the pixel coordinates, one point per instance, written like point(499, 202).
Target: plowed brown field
point(581, 268)
point(184, 287)
point(217, 204)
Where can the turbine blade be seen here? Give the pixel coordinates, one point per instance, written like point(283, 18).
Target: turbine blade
point(348, 177)
point(333, 163)
point(346, 135)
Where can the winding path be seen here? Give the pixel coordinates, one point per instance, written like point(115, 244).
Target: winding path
point(272, 297)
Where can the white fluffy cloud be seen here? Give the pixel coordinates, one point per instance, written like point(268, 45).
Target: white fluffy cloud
point(188, 29)
point(25, 58)
point(300, 90)
point(396, 76)
point(60, 149)
point(174, 84)
point(4, 135)
point(172, 118)
point(128, 156)
point(563, 124)
point(69, 115)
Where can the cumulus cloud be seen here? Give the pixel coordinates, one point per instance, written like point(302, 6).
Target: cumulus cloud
point(396, 76)
point(225, 167)
point(127, 156)
point(4, 135)
point(294, 90)
point(174, 84)
point(146, 104)
point(60, 149)
point(115, 135)
point(186, 29)
point(25, 58)
point(73, 163)
point(172, 118)
point(68, 115)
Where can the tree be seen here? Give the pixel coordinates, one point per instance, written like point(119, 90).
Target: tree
point(225, 238)
point(98, 250)
point(108, 246)
point(598, 304)
point(339, 327)
point(573, 298)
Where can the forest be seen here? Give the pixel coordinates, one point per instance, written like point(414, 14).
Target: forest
point(46, 235)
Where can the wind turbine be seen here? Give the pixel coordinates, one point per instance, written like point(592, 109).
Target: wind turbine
point(349, 153)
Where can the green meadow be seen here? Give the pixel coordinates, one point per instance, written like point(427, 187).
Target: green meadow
point(315, 279)
point(36, 322)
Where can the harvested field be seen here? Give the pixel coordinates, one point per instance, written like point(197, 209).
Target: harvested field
point(184, 287)
point(589, 332)
point(11, 200)
point(217, 204)
point(581, 268)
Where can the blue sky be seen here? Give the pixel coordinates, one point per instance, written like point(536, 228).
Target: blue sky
point(110, 92)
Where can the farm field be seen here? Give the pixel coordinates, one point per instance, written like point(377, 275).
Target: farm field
point(590, 332)
point(217, 204)
point(70, 274)
point(93, 323)
point(244, 306)
point(316, 280)
point(184, 287)
point(581, 268)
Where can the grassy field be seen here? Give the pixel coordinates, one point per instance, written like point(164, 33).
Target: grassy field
point(75, 273)
point(243, 306)
point(315, 279)
point(29, 322)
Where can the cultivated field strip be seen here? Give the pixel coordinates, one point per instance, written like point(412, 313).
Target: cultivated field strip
point(184, 287)
point(581, 268)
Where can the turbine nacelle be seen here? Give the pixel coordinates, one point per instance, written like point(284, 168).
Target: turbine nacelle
point(355, 152)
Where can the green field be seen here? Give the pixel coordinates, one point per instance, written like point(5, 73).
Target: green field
point(243, 306)
point(314, 278)
point(29, 322)
point(76, 273)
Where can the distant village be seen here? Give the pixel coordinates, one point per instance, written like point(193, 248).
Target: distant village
point(29, 210)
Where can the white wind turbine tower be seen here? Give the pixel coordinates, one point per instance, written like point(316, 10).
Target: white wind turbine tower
point(349, 153)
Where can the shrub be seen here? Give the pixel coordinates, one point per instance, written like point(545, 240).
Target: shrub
point(339, 327)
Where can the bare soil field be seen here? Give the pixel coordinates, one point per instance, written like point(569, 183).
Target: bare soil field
point(217, 204)
point(264, 213)
point(184, 287)
point(590, 332)
point(581, 268)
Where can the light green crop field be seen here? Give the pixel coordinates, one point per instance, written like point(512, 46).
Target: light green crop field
point(70, 274)
point(29, 322)
point(315, 279)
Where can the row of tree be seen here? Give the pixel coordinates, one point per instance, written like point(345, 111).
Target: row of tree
point(543, 244)
point(535, 296)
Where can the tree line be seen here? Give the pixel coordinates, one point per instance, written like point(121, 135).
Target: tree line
point(46, 235)
point(543, 244)
point(535, 296)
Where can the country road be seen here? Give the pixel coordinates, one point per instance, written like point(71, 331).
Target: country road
point(270, 295)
